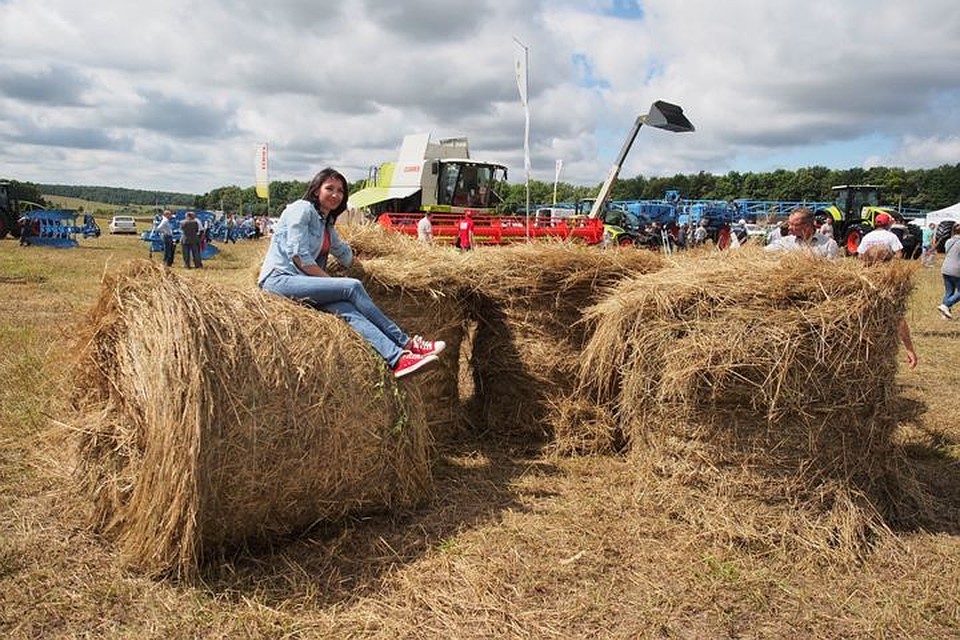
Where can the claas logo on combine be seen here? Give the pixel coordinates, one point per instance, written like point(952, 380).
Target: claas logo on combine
point(411, 168)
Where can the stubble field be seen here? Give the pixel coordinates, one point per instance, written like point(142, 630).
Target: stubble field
point(514, 543)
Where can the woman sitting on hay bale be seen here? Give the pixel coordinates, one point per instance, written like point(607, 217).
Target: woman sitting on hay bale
point(295, 267)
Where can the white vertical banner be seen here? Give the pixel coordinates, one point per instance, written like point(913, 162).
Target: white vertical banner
point(521, 69)
point(262, 171)
point(522, 73)
point(556, 179)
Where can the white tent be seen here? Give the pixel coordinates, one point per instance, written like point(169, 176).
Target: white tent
point(949, 213)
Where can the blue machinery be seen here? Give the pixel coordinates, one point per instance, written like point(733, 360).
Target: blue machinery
point(211, 229)
point(59, 227)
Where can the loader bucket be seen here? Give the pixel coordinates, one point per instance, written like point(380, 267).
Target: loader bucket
point(664, 115)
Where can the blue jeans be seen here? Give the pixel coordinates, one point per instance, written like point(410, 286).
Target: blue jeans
point(344, 297)
point(951, 290)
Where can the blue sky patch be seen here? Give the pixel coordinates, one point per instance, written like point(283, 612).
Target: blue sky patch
point(585, 75)
point(627, 9)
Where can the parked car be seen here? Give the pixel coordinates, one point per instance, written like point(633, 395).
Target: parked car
point(123, 224)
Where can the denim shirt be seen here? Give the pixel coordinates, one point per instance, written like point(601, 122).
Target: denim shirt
point(300, 233)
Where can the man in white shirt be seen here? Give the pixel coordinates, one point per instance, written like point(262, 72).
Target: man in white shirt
point(425, 229)
point(803, 236)
point(165, 231)
point(881, 235)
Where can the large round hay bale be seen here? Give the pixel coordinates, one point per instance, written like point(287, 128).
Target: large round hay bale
point(212, 416)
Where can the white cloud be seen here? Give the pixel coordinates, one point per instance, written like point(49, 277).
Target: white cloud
point(174, 94)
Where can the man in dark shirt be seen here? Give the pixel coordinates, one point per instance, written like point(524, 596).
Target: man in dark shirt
point(190, 237)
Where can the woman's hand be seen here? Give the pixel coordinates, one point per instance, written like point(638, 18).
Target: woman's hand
point(310, 269)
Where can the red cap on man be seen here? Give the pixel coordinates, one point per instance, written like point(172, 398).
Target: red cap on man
point(883, 220)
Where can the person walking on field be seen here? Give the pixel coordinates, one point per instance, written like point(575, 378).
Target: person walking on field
point(425, 229)
point(929, 235)
point(165, 231)
point(465, 232)
point(190, 239)
point(295, 268)
point(876, 254)
point(950, 270)
point(25, 225)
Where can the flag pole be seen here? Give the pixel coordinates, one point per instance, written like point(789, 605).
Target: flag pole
point(526, 129)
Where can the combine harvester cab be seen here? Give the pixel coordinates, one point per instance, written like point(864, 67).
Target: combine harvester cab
point(444, 180)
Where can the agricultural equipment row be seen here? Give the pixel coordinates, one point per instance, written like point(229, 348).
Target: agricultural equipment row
point(443, 180)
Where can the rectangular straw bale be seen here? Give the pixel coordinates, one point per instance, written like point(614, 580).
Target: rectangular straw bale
point(209, 417)
point(528, 301)
point(760, 377)
point(784, 364)
point(420, 290)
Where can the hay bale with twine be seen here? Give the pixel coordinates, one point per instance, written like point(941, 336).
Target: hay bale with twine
point(209, 417)
point(752, 375)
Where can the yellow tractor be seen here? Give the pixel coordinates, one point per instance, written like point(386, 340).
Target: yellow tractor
point(853, 214)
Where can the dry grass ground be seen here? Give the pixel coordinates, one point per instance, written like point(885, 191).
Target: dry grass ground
point(515, 543)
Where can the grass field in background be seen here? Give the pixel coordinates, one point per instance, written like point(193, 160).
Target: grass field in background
point(103, 211)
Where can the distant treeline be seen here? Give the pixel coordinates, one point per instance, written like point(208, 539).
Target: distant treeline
point(120, 195)
point(926, 189)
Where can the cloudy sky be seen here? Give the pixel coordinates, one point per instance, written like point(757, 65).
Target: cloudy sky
point(175, 94)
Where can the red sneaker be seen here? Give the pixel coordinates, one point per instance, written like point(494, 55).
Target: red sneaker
point(423, 347)
point(410, 362)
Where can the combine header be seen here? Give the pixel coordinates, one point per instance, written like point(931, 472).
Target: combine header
point(500, 229)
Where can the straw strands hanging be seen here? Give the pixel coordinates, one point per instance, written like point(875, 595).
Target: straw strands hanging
point(758, 375)
point(213, 416)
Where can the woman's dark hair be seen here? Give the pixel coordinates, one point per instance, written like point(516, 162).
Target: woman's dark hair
point(310, 195)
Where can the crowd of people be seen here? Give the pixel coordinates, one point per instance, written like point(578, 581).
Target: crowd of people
point(879, 245)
